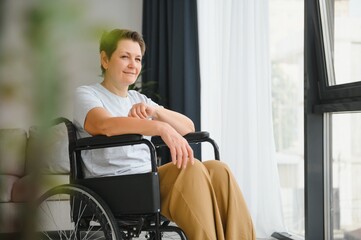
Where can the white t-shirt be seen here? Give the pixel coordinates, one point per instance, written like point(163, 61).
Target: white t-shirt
point(110, 161)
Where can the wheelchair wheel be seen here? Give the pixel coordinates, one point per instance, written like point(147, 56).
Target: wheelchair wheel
point(74, 212)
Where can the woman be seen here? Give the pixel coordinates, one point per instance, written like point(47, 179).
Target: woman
point(201, 198)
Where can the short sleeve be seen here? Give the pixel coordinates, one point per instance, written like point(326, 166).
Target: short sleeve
point(150, 102)
point(143, 98)
point(85, 100)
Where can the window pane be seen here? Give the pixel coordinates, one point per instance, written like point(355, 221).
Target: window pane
point(346, 176)
point(347, 41)
point(286, 52)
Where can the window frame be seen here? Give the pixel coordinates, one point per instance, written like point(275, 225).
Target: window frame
point(330, 91)
point(321, 99)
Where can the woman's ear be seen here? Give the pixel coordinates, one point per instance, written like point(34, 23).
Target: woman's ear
point(104, 60)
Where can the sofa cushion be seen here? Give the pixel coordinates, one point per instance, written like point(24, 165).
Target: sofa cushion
point(48, 152)
point(32, 186)
point(6, 186)
point(12, 151)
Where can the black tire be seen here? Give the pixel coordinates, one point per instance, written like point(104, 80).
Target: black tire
point(74, 212)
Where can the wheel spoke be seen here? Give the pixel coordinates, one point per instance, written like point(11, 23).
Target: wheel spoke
point(75, 212)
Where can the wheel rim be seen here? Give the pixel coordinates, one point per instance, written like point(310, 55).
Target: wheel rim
point(69, 212)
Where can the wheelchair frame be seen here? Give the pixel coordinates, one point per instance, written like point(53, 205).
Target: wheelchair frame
point(116, 216)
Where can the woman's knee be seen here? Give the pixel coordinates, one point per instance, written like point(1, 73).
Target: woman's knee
point(218, 171)
point(191, 171)
point(196, 169)
point(215, 165)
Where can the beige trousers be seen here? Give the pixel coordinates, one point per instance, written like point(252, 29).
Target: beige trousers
point(205, 201)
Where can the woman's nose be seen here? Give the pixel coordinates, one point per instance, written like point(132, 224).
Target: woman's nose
point(132, 63)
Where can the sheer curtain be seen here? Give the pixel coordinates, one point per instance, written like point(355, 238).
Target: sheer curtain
point(236, 101)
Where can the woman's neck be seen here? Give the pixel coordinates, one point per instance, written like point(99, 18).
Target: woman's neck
point(117, 90)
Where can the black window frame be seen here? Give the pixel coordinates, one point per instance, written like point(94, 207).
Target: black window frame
point(337, 97)
point(321, 98)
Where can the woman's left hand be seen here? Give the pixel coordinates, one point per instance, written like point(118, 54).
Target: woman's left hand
point(142, 111)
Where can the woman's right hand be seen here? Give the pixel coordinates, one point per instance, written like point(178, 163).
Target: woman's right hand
point(180, 151)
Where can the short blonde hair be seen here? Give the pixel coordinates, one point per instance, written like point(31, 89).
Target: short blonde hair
point(109, 41)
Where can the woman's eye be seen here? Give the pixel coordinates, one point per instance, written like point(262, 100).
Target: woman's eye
point(124, 57)
point(138, 59)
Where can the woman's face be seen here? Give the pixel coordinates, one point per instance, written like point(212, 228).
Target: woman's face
point(125, 63)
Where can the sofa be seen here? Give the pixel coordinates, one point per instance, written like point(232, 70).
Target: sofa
point(31, 162)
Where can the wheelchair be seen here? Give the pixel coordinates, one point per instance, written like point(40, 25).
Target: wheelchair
point(113, 207)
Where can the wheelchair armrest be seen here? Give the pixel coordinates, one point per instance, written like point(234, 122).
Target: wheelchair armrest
point(101, 141)
point(195, 137)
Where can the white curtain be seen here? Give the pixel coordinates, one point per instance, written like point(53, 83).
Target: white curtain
point(236, 101)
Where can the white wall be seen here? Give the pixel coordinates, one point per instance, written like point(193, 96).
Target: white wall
point(68, 49)
point(84, 65)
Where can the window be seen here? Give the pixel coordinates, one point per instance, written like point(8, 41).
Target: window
point(341, 41)
point(345, 169)
point(332, 119)
point(347, 41)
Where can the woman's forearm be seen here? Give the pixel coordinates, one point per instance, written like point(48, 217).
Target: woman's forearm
point(127, 125)
point(100, 122)
point(182, 124)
